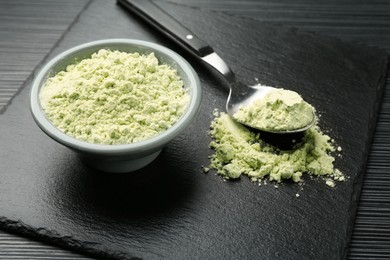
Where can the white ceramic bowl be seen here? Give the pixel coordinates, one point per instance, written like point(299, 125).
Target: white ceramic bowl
point(118, 158)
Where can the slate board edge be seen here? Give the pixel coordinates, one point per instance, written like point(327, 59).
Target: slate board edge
point(54, 238)
point(358, 183)
point(41, 234)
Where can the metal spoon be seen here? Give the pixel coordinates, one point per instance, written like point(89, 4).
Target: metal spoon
point(239, 94)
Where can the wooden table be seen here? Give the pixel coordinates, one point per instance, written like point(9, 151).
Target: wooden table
point(30, 29)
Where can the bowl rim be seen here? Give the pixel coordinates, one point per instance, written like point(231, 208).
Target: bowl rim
point(152, 143)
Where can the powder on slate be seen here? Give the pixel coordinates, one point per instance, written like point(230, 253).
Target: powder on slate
point(114, 98)
point(278, 110)
point(239, 151)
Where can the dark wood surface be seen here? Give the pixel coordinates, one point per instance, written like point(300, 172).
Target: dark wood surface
point(29, 30)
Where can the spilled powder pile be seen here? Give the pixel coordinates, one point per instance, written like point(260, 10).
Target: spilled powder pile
point(114, 98)
point(239, 151)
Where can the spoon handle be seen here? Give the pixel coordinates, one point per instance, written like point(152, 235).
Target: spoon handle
point(169, 26)
point(166, 24)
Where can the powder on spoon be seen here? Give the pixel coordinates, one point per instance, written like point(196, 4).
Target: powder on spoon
point(278, 110)
point(114, 98)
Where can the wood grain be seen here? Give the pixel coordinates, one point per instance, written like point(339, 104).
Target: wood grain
point(16, 247)
point(28, 31)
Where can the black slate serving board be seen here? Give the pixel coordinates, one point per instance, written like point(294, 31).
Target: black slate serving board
point(171, 209)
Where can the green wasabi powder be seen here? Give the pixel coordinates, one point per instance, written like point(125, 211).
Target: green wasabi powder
point(279, 110)
point(239, 151)
point(114, 98)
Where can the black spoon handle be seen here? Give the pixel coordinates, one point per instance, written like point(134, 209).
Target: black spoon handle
point(166, 24)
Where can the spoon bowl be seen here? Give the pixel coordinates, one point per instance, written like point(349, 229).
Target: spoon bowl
point(242, 95)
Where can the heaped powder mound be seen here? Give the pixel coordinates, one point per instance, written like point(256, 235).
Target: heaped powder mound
point(114, 98)
point(278, 110)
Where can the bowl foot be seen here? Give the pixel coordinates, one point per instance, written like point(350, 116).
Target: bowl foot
point(119, 165)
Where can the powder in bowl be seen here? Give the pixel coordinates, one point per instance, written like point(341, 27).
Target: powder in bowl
point(114, 97)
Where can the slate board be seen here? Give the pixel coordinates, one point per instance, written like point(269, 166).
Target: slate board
point(171, 209)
